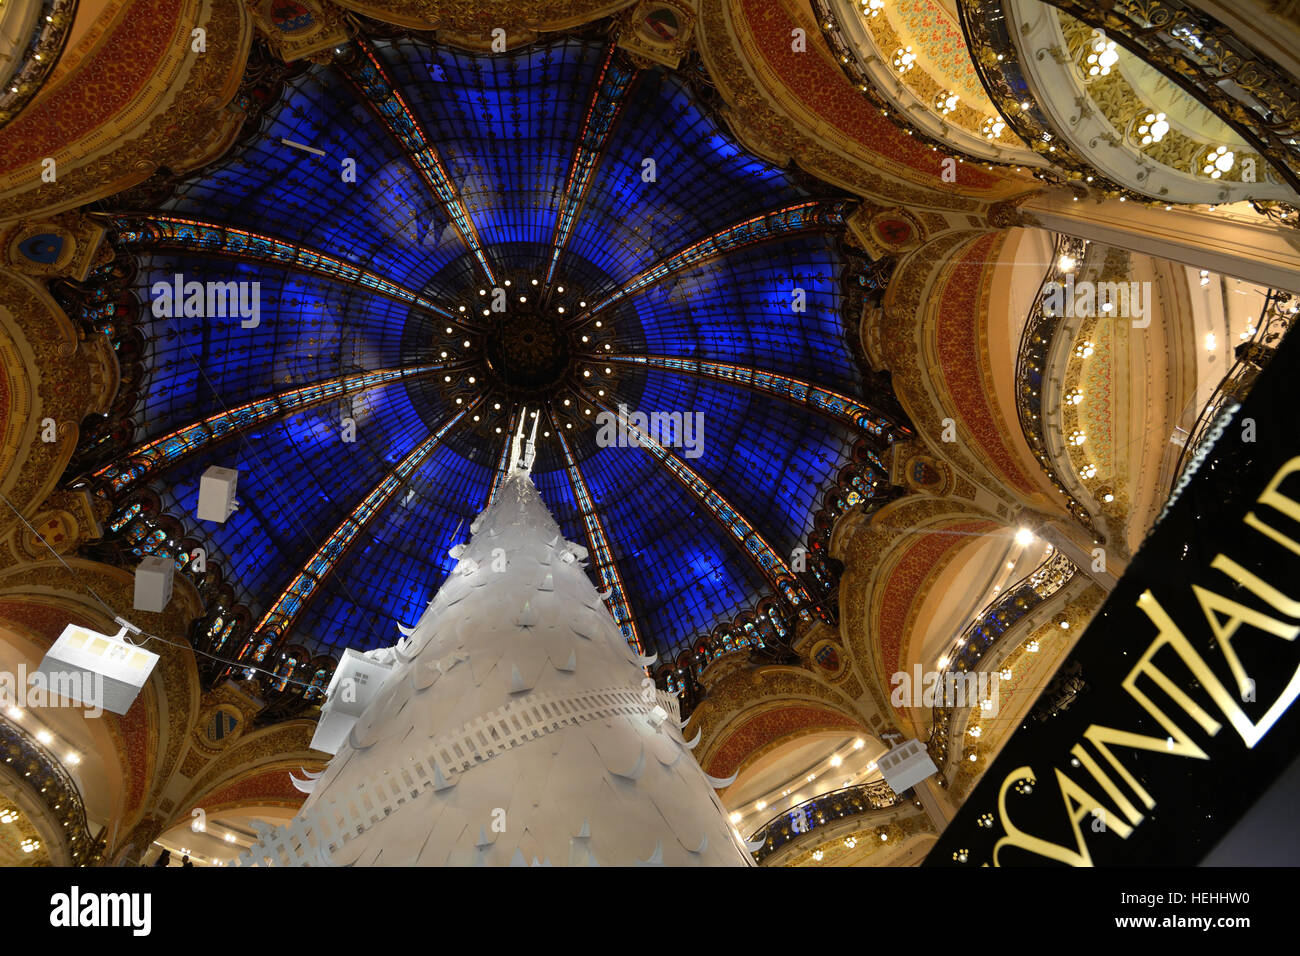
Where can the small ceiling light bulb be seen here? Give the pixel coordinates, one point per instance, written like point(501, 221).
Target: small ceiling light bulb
point(859, 744)
point(496, 405)
point(1024, 537)
point(534, 282)
point(559, 288)
point(44, 736)
point(471, 379)
point(836, 760)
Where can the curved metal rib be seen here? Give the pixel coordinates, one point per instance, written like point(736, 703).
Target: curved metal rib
point(285, 610)
point(601, 552)
point(833, 405)
point(768, 563)
point(157, 455)
point(373, 85)
point(800, 217)
point(158, 229)
point(615, 79)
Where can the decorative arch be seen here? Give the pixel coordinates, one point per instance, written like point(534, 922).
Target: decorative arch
point(38, 600)
point(138, 98)
point(750, 711)
point(891, 563)
point(935, 332)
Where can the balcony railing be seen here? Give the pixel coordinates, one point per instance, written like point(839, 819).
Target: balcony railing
point(1244, 89)
point(36, 55)
point(1275, 319)
point(51, 784)
point(1031, 370)
point(987, 629)
point(821, 811)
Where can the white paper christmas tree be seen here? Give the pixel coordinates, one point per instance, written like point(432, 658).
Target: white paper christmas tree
point(515, 727)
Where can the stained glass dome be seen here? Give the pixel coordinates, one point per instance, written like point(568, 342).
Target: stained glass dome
point(441, 242)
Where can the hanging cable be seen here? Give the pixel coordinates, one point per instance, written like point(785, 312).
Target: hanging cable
point(127, 626)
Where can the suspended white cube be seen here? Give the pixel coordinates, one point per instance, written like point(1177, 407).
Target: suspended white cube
point(217, 494)
point(153, 583)
point(97, 670)
point(906, 765)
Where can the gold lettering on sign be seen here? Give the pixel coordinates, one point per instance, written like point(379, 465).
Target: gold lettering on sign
point(1213, 604)
point(1225, 617)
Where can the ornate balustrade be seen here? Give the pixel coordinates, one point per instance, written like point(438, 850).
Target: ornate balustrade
point(50, 784)
point(987, 631)
point(1275, 319)
point(37, 57)
point(820, 811)
point(1031, 367)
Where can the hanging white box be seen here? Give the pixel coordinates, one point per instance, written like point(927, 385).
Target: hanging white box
point(217, 493)
point(153, 583)
point(906, 765)
point(98, 670)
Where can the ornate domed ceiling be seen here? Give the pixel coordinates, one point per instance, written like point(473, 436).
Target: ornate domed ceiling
point(439, 240)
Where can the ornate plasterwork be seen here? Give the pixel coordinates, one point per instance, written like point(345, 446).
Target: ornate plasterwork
point(903, 828)
point(1030, 672)
point(901, 323)
point(481, 18)
point(657, 31)
point(934, 332)
point(804, 110)
point(1095, 115)
point(51, 372)
point(921, 94)
point(870, 556)
point(42, 598)
point(317, 27)
point(141, 100)
point(746, 692)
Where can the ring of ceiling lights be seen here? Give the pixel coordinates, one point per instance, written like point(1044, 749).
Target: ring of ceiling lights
point(868, 44)
point(1100, 116)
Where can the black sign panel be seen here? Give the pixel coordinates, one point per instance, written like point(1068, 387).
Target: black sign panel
point(1189, 674)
